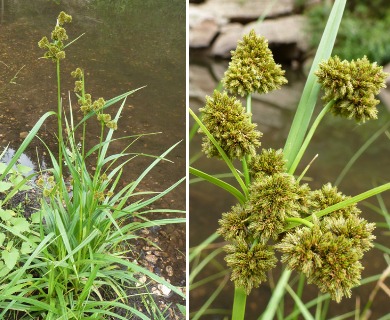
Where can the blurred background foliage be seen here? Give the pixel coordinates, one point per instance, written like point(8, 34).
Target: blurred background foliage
point(364, 29)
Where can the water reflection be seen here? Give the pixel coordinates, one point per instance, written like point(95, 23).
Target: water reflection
point(335, 141)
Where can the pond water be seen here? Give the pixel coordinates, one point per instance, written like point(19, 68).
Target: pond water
point(335, 141)
point(126, 45)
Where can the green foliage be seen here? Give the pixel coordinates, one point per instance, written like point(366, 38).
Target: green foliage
point(17, 237)
point(14, 178)
point(363, 30)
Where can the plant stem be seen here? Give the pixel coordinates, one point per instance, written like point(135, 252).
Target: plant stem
point(247, 158)
point(246, 171)
point(239, 304)
point(312, 87)
point(249, 106)
point(59, 121)
point(300, 221)
point(309, 136)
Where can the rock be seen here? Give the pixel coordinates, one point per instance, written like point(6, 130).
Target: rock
point(286, 36)
point(203, 27)
point(238, 10)
point(169, 270)
point(23, 134)
point(227, 40)
point(164, 290)
point(386, 68)
point(151, 258)
point(203, 34)
point(201, 82)
point(141, 281)
point(285, 30)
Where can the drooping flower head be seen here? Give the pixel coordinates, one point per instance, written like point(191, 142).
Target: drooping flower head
point(230, 125)
point(252, 68)
point(353, 85)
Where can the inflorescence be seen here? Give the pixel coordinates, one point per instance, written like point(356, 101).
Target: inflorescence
point(86, 104)
point(353, 85)
point(55, 48)
point(252, 68)
point(327, 250)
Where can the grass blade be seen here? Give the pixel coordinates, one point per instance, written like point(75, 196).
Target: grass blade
point(310, 92)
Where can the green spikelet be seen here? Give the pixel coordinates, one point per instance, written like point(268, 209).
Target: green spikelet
point(328, 196)
point(252, 68)
point(353, 85)
point(272, 199)
point(233, 223)
point(268, 162)
point(228, 123)
point(329, 261)
point(249, 264)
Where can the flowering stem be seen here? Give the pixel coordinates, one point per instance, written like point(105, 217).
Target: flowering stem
point(59, 120)
point(300, 221)
point(239, 303)
point(247, 157)
point(309, 136)
point(246, 171)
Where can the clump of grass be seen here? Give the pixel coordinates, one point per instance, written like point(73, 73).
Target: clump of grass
point(75, 260)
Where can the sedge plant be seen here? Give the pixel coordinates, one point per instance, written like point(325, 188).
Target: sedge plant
point(78, 251)
point(319, 233)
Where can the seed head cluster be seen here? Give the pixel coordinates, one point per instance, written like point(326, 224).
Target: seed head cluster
point(329, 253)
point(252, 68)
point(328, 249)
point(230, 126)
point(86, 104)
point(249, 264)
point(55, 48)
point(353, 85)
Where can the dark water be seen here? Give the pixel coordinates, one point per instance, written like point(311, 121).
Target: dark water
point(336, 141)
point(127, 44)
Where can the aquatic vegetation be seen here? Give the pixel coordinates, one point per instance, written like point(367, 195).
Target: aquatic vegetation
point(74, 258)
point(318, 232)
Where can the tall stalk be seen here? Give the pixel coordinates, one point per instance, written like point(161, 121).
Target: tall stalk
point(59, 121)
